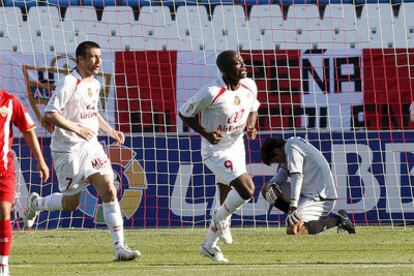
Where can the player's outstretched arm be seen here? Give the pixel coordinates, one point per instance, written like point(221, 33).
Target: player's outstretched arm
point(58, 120)
point(31, 139)
point(117, 135)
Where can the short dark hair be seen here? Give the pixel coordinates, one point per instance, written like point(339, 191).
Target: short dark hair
point(267, 149)
point(224, 58)
point(83, 47)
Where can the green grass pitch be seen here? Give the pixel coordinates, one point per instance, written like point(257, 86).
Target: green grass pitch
point(255, 251)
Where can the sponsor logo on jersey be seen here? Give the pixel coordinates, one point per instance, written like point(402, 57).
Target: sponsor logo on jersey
point(3, 110)
point(90, 92)
point(235, 118)
point(236, 100)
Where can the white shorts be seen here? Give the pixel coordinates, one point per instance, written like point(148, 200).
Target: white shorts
point(310, 209)
point(227, 165)
point(74, 168)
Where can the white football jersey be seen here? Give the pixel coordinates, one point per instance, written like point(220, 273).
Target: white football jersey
point(303, 158)
point(77, 101)
point(223, 110)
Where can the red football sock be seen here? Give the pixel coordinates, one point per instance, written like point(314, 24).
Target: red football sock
point(5, 237)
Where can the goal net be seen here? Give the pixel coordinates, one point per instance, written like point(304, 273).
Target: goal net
point(337, 74)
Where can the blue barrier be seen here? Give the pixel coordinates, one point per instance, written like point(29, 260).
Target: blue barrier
point(373, 177)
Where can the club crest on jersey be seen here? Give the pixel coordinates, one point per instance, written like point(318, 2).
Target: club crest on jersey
point(236, 100)
point(3, 110)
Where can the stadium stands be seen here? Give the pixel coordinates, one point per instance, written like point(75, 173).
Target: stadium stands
point(204, 25)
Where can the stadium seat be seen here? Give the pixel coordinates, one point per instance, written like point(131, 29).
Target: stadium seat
point(81, 21)
point(24, 4)
point(339, 26)
point(154, 21)
point(229, 21)
point(404, 26)
point(11, 21)
point(263, 18)
point(43, 19)
point(63, 3)
point(192, 23)
point(5, 45)
point(376, 25)
point(98, 3)
point(304, 23)
point(118, 20)
point(136, 4)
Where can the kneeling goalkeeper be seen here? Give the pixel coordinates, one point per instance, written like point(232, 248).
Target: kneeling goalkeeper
point(310, 196)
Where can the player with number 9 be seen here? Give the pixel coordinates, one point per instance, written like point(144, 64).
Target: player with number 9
point(228, 107)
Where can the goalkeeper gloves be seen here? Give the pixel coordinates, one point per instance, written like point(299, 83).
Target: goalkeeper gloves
point(293, 216)
point(272, 190)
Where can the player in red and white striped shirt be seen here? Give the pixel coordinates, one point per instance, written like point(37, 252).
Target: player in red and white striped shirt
point(228, 108)
point(12, 113)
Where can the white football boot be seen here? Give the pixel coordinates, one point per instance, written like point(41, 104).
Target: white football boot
point(30, 215)
point(123, 253)
point(222, 228)
point(214, 253)
point(4, 270)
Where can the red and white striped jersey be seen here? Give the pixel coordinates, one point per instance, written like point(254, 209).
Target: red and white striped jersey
point(12, 113)
point(223, 110)
point(77, 101)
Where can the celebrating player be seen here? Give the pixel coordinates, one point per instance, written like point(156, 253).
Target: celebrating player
point(227, 108)
point(78, 157)
point(13, 112)
point(310, 196)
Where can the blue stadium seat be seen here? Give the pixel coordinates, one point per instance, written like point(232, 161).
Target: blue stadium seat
point(20, 3)
point(217, 2)
point(327, 2)
point(63, 3)
point(256, 2)
point(178, 3)
point(137, 3)
point(98, 3)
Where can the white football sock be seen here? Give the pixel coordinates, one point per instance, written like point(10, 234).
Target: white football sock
point(51, 202)
point(4, 260)
point(232, 203)
point(114, 221)
point(211, 238)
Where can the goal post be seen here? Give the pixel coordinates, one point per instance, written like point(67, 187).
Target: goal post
point(337, 74)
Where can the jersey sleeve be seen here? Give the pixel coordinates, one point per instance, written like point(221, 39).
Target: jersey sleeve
point(198, 102)
point(61, 96)
point(21, 118)
point(295, 161)
point(253, 87)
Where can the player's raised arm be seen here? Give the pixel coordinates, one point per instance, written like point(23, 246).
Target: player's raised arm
point(31, 139)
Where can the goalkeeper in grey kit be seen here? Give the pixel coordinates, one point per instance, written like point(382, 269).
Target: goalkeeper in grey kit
point(310, 196)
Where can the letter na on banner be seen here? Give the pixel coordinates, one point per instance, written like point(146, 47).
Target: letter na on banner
point(391, 177)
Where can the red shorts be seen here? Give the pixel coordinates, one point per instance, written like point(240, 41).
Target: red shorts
point(7, 187)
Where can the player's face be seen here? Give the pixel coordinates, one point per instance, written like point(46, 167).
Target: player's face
point(236, 69)
point(92, 62)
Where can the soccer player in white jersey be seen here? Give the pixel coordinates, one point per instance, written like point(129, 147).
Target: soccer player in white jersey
point(228, 107)
point(78, 157)
point(310, 196)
